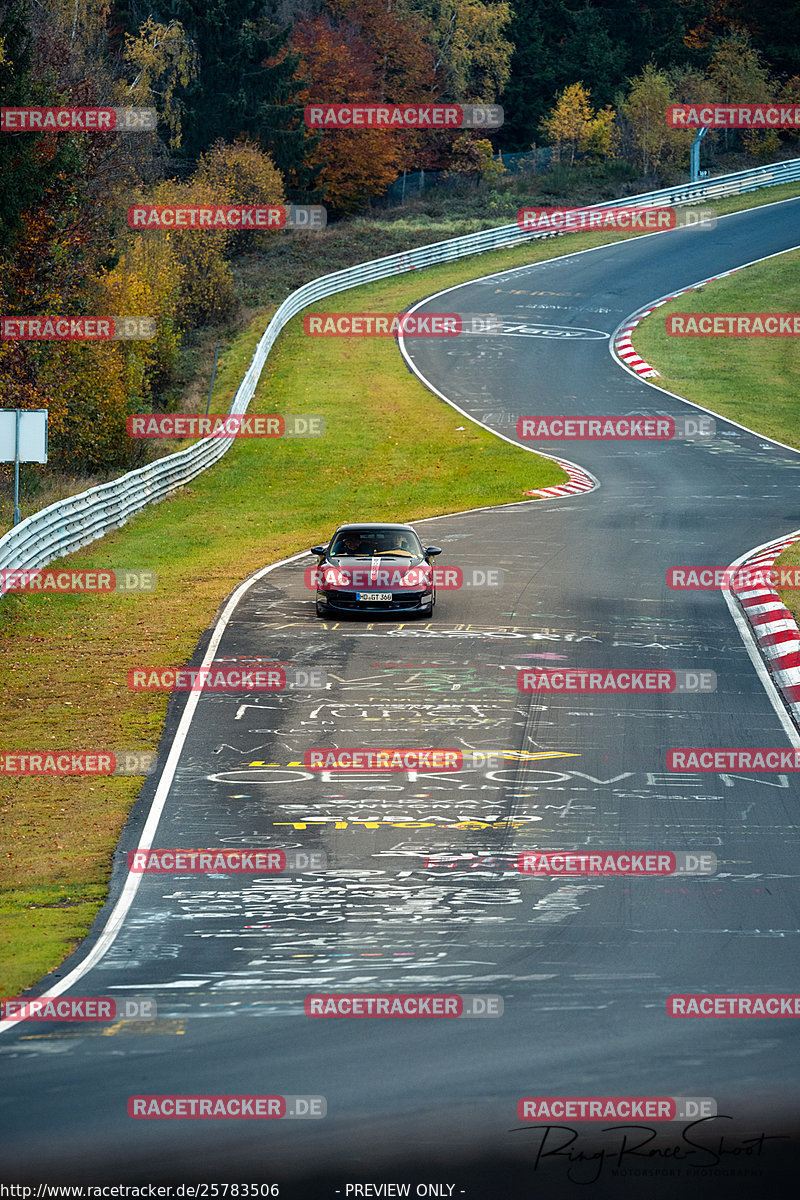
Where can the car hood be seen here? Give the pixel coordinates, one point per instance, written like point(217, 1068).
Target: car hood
point(399, 564)
point(389, 574)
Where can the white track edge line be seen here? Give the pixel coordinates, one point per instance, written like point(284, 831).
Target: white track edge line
point(750, 640)
point(118, 913)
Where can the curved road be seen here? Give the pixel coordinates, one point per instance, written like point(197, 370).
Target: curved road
point(584, 966)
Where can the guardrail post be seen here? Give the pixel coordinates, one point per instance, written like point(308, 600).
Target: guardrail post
point(17, 513)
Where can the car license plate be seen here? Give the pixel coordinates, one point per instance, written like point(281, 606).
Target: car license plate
point(383, 596)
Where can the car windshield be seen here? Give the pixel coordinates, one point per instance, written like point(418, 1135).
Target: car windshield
point(376, 543)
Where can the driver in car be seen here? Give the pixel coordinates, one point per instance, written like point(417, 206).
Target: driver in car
point(352, 543)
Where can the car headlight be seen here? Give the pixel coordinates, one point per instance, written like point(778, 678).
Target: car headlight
point(333, 577)
point(417, 578)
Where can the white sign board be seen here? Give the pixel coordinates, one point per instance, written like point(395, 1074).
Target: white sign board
point(32, 435)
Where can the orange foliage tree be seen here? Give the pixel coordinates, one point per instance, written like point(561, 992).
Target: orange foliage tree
point(360, 51)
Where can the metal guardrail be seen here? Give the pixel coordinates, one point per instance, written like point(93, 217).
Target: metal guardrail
point(69, 524)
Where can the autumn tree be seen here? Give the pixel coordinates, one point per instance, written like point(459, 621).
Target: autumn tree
point(405, 51)
point(242, 173)
point(790, 94)
point(652, 141)
point(738, 73)
point(737, 70)
point(474, 157)
point(393, 37)
point(472, 52)
point(574, 124)
point(600, 139)
point(691, 86)
point(342, 67)
point(471, 60)
point(569, 118)
point(161, 58)
point(62, 249)
point(60, 189)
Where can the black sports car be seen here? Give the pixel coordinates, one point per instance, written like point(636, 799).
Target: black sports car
point(374, 568)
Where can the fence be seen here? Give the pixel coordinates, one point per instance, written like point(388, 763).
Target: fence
point(412, 183)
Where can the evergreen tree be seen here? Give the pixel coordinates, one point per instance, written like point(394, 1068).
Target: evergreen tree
point(558, 42)
point(26, 170)
point(534, 72)
point(246, 85)
point(602, 59)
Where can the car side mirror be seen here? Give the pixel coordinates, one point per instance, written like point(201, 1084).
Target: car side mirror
point(433, 550)
point(318, 549)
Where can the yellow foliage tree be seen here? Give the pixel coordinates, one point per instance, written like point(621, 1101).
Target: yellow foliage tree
point(244, 174)
point(654, 143)
point(473, 57)
point(740, 76)
point(574, 123)
point(475, 157)
point(161, 58)
point(600, 139)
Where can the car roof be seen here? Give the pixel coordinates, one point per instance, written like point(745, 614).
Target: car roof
point(372, 525)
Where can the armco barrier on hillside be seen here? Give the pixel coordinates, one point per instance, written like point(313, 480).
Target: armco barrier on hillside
point(65, 526)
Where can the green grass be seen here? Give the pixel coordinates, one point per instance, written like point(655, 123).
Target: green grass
point(755, 381)
point(38, 926)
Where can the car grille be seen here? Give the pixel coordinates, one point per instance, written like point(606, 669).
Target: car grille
point(348, 600)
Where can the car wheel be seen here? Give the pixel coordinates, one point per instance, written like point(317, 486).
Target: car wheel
point(321, 610)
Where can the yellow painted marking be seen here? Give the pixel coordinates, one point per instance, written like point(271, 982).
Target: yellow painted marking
point(521, 755)
point(55, 1037)
point(316, 822)
point(530, 755)
point(164, 1025)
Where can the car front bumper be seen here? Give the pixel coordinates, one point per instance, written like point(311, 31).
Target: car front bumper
point(346, 602)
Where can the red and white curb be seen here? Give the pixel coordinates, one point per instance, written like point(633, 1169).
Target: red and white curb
point(774, 627)
point(621, 344)
point(579, 481)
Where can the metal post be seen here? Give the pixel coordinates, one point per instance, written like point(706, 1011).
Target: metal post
point(694, 154)
point(17, 513)
point(213, 373)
